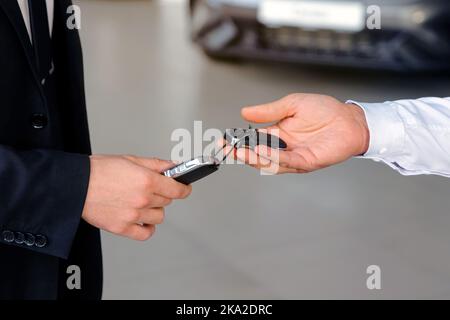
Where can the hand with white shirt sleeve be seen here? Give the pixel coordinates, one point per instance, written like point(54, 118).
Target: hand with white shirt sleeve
point(319, 131)
point(411, 136)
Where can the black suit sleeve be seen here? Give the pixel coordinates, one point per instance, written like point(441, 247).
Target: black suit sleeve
point(42, 195)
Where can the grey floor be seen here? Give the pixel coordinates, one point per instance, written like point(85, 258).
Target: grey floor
point(241, 235)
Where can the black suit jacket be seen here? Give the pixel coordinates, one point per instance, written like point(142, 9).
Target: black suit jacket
point(44, 167)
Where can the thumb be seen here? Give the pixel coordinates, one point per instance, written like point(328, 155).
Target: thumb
point(269, 112)
point(153, 164)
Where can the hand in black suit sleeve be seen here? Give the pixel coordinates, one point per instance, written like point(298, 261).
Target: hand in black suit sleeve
point(42, 195)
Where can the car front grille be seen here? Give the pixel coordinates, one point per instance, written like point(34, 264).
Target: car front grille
point(364, 44)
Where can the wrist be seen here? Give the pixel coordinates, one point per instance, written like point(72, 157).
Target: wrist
point(363, 133)
point(92, 173)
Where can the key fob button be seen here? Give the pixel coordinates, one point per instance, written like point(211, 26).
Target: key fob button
point(189, 164)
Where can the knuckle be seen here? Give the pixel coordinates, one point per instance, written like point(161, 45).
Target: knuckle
point(182, 191)
point(151, 231)
point(132, 216)
point(160, 216)
point(293, 97)
point(120, 229)
point(146, 234)
point(180, 194)
point(157, 160)
point(141, 236)
point(136, 237)
point(141, 201)
point(148, 180)
point(187, 191)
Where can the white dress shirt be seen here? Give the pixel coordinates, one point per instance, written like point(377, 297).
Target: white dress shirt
point(23, 4)
point(411, 136)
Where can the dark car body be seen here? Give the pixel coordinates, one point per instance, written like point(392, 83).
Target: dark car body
point(414, 35)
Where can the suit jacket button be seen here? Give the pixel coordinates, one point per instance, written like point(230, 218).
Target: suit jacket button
point(8, 236)
point(41, 241)
point(39, 121)
point(29, 239)
point(19, 237)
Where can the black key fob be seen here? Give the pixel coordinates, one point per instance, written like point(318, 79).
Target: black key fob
point(193, 170)
point(250, 138)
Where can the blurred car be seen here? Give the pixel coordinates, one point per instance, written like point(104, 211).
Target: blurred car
point(414, 34)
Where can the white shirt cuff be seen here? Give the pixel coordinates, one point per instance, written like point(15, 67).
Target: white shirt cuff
point(386, 128)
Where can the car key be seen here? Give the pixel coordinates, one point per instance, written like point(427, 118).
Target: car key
point(250, 138)
point(193, 170)
point(200, 167)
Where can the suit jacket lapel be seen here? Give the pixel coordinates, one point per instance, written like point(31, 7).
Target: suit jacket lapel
point(12, 10)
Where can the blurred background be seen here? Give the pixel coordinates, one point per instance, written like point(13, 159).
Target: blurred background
point(246, 236)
